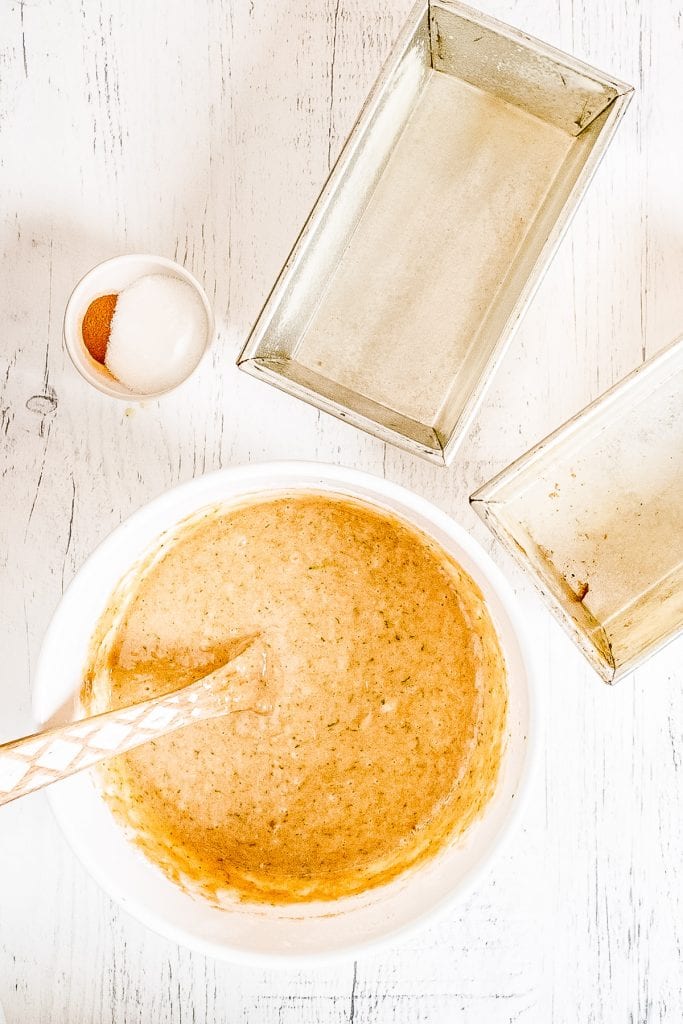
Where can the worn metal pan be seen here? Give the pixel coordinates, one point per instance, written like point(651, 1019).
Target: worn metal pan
point(404, 288)
point(594, 513)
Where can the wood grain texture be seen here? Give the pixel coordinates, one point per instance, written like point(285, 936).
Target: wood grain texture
point(204, 131)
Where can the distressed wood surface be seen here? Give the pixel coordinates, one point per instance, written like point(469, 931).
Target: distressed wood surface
point(203, 131)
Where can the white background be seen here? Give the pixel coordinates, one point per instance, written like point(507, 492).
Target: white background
point(203, 131)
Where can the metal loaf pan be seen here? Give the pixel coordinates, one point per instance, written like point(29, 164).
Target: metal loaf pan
point(595, 514)
point(435, 226)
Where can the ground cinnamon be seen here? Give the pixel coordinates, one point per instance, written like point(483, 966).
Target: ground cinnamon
point(97, 325)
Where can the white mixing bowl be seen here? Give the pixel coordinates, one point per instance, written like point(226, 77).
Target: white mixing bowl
point(301, 934)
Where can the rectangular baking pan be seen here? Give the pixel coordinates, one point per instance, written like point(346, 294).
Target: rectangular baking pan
point(595, 514)
point(434, 228)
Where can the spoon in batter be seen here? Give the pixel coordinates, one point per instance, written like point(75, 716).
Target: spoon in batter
point(45, 757)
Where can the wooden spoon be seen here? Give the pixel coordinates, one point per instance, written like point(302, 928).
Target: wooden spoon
point(45, 757)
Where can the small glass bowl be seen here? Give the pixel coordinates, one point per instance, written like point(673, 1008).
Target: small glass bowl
point(108, 278)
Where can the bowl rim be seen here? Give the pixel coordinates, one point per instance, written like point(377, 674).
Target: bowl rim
point(75, 347)
point(380, 486)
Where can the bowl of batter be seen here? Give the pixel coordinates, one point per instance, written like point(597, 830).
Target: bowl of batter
point(397, 748)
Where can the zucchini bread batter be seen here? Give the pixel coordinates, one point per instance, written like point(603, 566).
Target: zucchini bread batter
point(388, 690)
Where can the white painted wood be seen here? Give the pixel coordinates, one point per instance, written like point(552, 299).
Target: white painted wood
point(204, 131)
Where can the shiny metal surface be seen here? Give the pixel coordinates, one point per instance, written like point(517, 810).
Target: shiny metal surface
point(446, 204)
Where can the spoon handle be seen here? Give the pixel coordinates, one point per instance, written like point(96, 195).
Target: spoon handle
point(45, 757)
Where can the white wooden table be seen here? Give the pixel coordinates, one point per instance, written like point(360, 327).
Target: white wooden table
point(203, 131)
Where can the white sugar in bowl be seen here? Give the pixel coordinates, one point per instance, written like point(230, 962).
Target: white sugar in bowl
point(159, 332)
